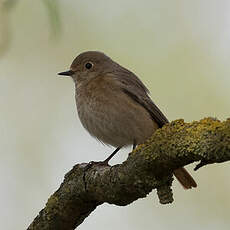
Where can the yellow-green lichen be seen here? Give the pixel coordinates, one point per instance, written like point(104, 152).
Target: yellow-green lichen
point(52, 203)
point(179, 138)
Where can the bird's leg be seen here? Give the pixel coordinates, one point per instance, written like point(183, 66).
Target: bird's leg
point(103, 163)
point(106, 161)
point(134, 144)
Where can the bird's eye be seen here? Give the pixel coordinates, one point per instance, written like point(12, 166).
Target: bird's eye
point(88, 65)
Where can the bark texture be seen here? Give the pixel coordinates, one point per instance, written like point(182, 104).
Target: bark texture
point(148, 167)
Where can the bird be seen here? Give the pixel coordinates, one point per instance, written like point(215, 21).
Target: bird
point(114, 105)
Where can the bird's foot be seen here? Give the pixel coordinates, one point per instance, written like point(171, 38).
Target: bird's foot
point(96, 163)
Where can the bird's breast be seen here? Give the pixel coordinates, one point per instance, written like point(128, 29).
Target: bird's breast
point(112, 117)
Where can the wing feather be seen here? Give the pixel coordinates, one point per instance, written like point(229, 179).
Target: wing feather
point(135, 89)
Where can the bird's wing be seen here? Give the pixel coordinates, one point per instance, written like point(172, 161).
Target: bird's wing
point(133, 87)
point(148, 104)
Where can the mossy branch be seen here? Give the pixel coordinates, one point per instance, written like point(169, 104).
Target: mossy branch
point(149, 167)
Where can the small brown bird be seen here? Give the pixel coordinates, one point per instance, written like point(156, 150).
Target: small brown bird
point(114, 106)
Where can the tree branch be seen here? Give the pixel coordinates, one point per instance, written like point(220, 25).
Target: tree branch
point(148, 167)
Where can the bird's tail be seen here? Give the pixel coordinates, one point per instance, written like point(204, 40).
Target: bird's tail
point(184, 178)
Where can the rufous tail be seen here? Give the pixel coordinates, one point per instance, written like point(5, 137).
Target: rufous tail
point(184, 178)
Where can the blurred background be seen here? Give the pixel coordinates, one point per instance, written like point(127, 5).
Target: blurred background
point(180, 50)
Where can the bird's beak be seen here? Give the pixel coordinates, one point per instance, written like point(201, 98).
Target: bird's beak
point(67, 73)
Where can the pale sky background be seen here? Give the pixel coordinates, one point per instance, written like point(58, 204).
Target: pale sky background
point(180, 50)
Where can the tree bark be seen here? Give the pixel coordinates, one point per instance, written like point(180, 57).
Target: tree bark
point(148, 167)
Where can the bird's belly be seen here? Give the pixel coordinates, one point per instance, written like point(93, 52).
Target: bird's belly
point(114, 124)
point(104, 126)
